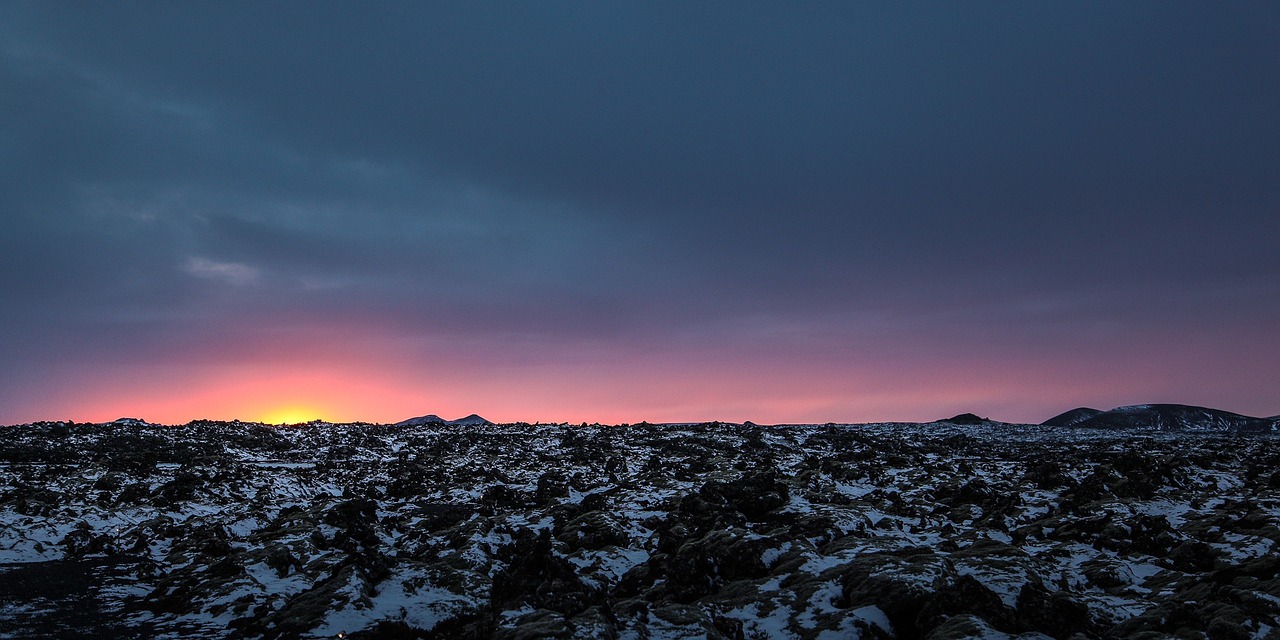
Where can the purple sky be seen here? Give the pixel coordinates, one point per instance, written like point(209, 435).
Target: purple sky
point(648, 211)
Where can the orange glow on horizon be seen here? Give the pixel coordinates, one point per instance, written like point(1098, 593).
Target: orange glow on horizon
point(611, 393)
point(271, 395)
point(289, 415)
point(670, 386)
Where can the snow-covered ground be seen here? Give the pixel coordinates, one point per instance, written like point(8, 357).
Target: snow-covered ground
point(636, 531)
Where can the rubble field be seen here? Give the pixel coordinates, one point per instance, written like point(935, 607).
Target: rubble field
point(716, 530)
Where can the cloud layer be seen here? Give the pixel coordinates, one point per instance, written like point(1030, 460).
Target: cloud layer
point(624, 212)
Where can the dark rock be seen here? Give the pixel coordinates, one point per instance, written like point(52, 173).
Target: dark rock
point(534, 576)
point(282, 560)
point(961, 627)
point(754, 495)
point(900, 586)
point(592, 530)
point(1192, 556)
point(963, 596)
point(506, 497)
point(82, 542)
point(390, 630)
point(1055, 614)
point(1047, 474)
point(702, 566)
point(552, 486)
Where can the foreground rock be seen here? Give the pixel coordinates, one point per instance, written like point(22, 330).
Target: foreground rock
point(941, 530)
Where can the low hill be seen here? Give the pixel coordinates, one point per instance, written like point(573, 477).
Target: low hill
point(1173, 417)
point(472, 420)
point(1072, 417)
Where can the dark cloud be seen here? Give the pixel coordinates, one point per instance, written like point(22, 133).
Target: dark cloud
point(998, 178)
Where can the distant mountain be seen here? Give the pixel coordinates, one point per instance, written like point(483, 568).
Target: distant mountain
point(966, 418)
point(1072, 417)
point(472, 420)
point(430, 418)
point(130, 422)
point(1173, 417)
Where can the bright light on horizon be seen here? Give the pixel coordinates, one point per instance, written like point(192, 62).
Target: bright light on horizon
point(684, 387)
point(290, 415)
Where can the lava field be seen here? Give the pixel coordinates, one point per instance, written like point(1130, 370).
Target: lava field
point(938, 530)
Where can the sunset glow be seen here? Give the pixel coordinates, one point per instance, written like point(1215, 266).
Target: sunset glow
point(614, 214)
point(659, 385)
point(289, 415)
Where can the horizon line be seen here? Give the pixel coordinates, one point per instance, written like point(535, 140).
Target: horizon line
point(965, 415)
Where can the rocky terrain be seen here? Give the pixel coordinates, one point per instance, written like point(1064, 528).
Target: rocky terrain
point(956, 529)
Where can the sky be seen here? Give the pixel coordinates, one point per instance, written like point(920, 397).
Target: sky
point(615, 212)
